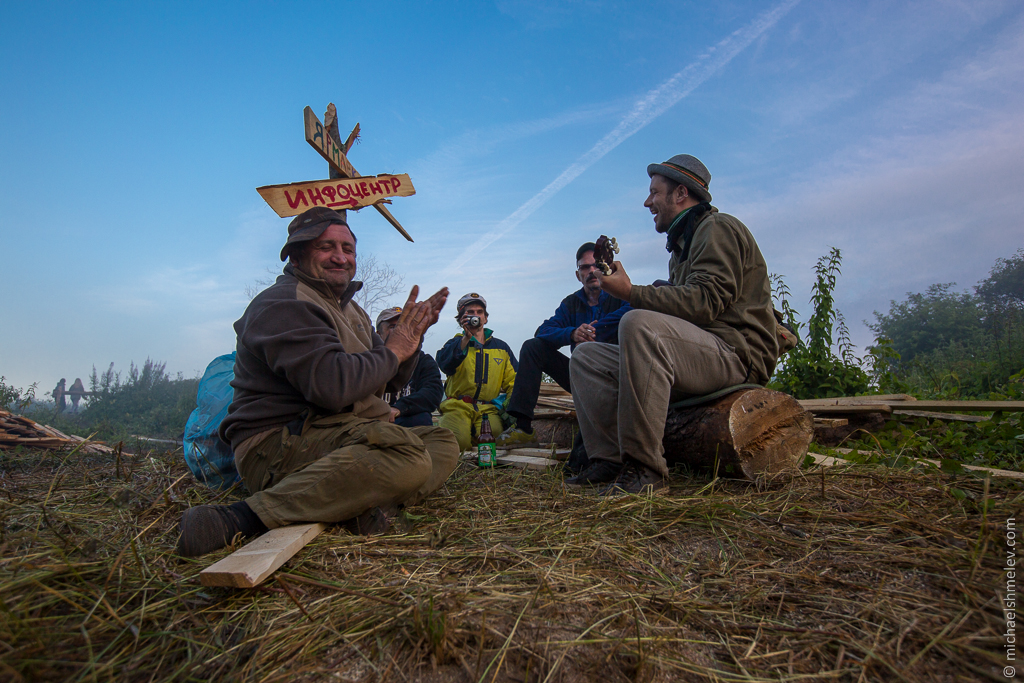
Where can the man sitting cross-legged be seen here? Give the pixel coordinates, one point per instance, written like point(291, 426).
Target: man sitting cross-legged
point(480, 367)
point(309, 429)
point(586, 315)
point(711, 327)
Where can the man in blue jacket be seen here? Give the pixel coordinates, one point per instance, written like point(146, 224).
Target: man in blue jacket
point(588, 314)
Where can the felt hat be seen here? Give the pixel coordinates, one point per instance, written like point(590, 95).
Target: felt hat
point(309, 225)
point(686, 170)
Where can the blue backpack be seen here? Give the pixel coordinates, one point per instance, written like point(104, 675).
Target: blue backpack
point(209, 458)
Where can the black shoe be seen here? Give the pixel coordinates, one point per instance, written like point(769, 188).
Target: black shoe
point(206, 528)
point(635, 478)
point(376, 520)
point(596, 472)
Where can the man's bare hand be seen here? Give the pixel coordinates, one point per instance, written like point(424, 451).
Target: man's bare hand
point(395, 413)
point(617, 283)
point(437, 301)
point(584, 333)
point(416, 318)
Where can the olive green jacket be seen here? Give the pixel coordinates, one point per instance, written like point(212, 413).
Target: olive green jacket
point(722, 286)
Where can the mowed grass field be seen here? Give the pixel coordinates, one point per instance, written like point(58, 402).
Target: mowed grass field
point(849, 573)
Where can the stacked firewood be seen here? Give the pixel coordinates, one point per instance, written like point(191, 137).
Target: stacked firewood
point(16, 430)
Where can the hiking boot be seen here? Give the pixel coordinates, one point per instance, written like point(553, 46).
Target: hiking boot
point(636, 478)
point(596, 472)
point(514, 437)
point(376, 520)
point(206, 528)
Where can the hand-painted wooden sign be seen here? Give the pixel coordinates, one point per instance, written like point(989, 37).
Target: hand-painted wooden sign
point(323, 142)
point(340, 193)
point(346, 189)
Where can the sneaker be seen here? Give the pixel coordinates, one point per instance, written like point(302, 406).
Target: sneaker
point(376, 520)
point(206, 528)
point(596, 472)
point(636, 478)
point(514, 437)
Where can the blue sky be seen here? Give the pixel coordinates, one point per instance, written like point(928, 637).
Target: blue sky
point(133, 136)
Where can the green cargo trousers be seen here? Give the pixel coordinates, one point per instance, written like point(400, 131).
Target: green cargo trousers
point(340, 466)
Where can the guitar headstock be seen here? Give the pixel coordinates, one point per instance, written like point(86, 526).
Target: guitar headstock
point(605, 250)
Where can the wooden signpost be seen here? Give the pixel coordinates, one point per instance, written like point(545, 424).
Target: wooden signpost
point(346, 188)
point(349, 193)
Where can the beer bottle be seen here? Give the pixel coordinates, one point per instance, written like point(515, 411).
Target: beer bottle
point(486, 455)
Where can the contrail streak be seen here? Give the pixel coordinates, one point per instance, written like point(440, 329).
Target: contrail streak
point(649, 107)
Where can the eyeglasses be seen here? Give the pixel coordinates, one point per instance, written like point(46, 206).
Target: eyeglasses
point(587, 266)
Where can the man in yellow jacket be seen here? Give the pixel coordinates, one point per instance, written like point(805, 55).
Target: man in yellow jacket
point(479, 367)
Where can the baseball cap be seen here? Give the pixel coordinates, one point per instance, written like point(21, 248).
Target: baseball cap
point(467, 299)
point(388, 314)
point(309, 225)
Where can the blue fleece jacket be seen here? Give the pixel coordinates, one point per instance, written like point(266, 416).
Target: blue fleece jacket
point(574, 311)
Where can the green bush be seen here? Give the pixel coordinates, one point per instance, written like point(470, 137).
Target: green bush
point(823, 365)
point(145, 402)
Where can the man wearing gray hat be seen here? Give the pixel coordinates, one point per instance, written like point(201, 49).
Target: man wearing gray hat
point(309, 428)
point(413, 404)
point(710, 327)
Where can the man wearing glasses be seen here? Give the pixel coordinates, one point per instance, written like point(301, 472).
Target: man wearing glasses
point(586, 315)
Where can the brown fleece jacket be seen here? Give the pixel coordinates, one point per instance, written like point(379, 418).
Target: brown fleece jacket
point(300, 351)
point(722, 286)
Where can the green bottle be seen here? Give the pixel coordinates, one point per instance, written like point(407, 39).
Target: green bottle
point(486, 455)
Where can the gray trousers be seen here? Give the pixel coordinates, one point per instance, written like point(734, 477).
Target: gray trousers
point(341, 466)
point(622, 392)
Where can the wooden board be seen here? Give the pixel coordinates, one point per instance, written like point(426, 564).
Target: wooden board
point(528, 461)
point(541, 452)
point(250, 565)
point(317, 137)
point(326, 146)
point(951, 417)
point(901, 401)
point(291, 199)
point(829, 461)
point(831, 422)
point(848, 409)
point(848, 400)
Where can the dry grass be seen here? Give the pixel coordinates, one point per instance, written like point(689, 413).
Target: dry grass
point(854, 574)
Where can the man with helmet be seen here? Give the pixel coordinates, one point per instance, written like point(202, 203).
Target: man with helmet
point(480, 367)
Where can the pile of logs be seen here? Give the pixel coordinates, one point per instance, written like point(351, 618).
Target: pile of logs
point(16, 430)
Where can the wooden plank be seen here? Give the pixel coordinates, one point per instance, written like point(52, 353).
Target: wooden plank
point(831, 422)
point(258, 559)
point(326, 146)
point(291, 199)
point(848, 400)
point(951, 417)
point(848, 409)
point(318, 138)
point(829, 461)
point(970, 406)
point(528, 461)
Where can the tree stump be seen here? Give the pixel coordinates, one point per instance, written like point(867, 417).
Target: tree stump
point(748, 433)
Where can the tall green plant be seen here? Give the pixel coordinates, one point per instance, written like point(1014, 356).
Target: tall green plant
point(824, 364)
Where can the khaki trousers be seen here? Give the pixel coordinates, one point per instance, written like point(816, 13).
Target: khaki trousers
point(460, 419)
point(622, 392)
point(341, 466)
